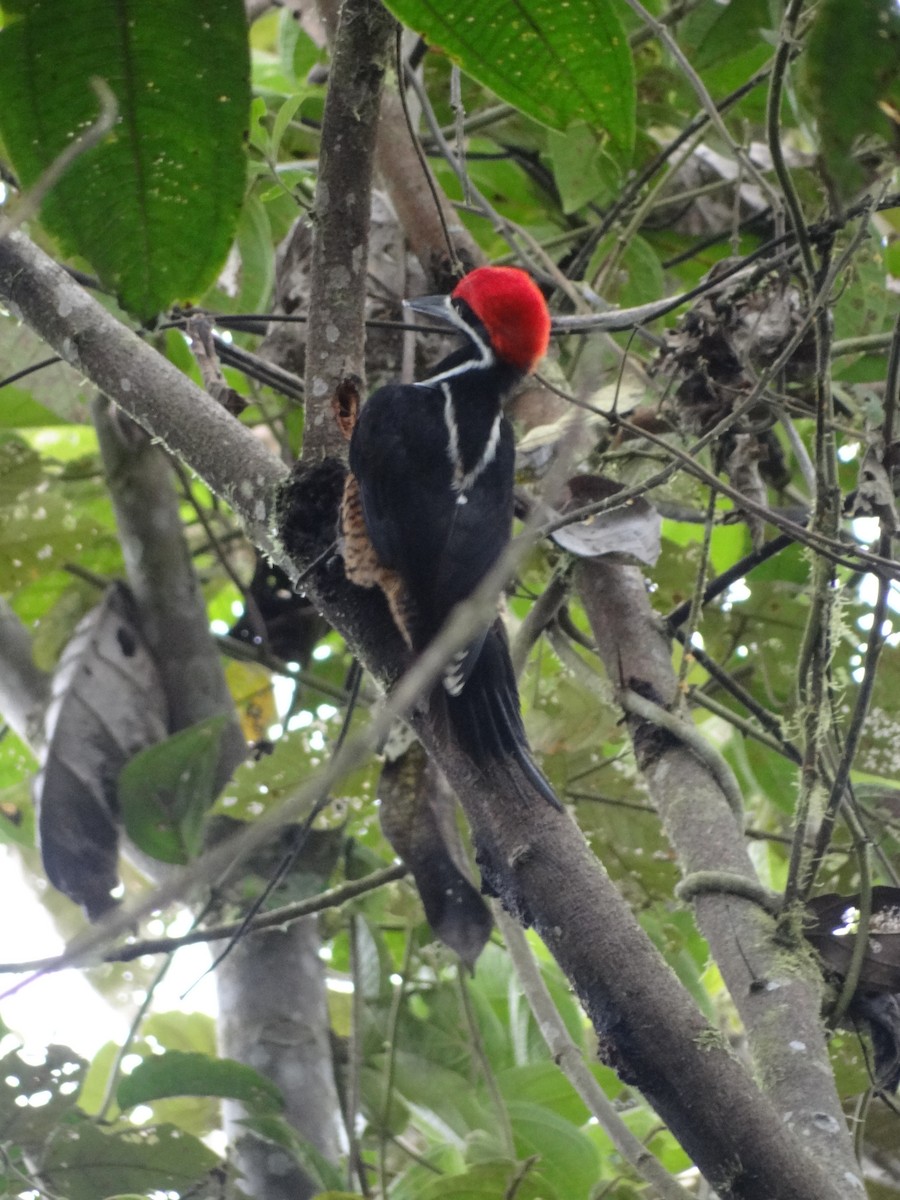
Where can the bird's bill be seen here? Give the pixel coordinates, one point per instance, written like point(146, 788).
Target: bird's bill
point(434, 306)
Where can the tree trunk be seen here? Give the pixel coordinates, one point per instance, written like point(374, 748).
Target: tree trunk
point(274, 1017)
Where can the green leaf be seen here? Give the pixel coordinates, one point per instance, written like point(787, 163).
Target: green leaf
point(852, 58)
point(46, 1090)
point(637, 277)
point(568, 1160)
point(256, 276)
point(50, 523)
point(82, 1161)
point(721, 33)
point(154, 208)
point(165, 790)
point(486, 1181)
point(557, 63)
point(176, 1073)
point(446, 1103)
point(276, 1130)
point(192, 1032)
point(543, 1083)
point(20, 468)
point(864, 305)
point(583, 167)
point(283, 118)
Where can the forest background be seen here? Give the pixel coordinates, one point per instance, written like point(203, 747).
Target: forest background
point(211, 214)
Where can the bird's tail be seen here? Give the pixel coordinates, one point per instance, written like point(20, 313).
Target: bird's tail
point(485, 714)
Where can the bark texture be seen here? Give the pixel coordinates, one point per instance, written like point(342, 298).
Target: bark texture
point(778, 994)
point(274, 1018)
point(335, 348)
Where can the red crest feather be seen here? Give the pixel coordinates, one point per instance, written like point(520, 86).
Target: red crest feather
point(512, 309)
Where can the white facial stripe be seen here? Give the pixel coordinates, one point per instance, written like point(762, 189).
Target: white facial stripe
point(485, 353)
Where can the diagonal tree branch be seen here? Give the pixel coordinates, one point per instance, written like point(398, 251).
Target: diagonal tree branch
point(780, 1009)
point(171, 408)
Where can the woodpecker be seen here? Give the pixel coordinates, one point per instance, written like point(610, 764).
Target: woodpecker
point(428, 505)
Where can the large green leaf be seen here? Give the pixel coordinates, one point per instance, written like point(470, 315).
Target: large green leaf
point(558, 63)
point(583, 167)
point(276, 1131)
point(154, 208)
point(83, 1162)
point(717, 33)
point(566, 1158)
point(45, 1090)
point(487, 1181)
point(854, 51)
point(176, 1073)
point(165, 791)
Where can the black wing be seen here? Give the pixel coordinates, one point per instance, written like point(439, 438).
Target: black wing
point(442, 542)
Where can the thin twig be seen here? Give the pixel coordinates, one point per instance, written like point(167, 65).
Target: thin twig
point(452, 255)
point(718, 768)
point(391, 1060)
point(476, 1043)
point(739, 570)
point(706, 101)
point(633, 186)
point(874, 644)
point(571, 1062)
point(355, 1161)
point(530, 252)
point(698, 599)
point(112, 1079)
point(274, 919)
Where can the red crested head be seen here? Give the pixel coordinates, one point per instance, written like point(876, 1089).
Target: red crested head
point(510, 306)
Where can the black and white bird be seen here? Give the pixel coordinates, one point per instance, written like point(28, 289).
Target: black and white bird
point(432, 471)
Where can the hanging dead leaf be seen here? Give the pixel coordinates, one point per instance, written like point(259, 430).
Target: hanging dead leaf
point(875, 490)
point(423, 835)
point(833, 934)
point(106, 704)
point(874, 1004)
point(742, 466)
point(630, 533)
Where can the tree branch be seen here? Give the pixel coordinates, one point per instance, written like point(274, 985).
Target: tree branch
point(780, 1009)
point(335, 345)
point(412, 189)
point(24, 687)
point(274, 919)
point(229, 459)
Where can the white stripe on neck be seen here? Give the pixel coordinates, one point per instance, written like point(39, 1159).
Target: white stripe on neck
point(485, 358)
point(463, 480)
